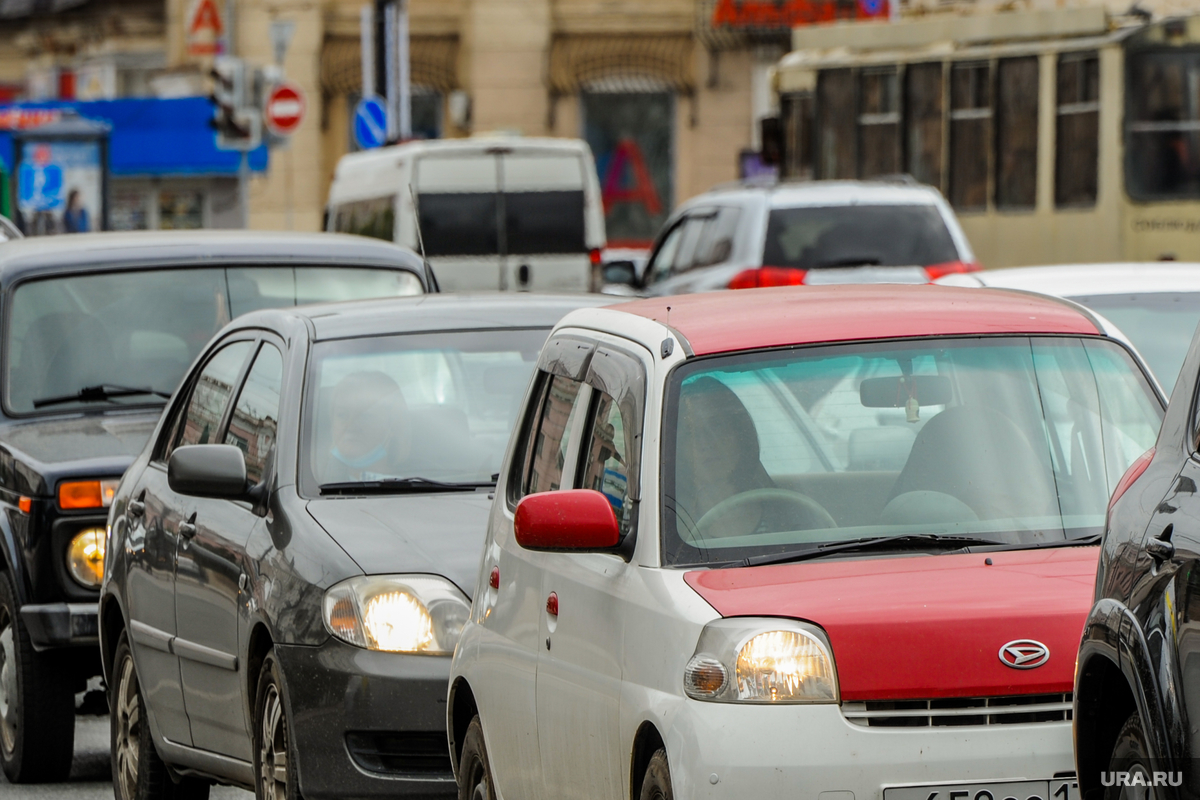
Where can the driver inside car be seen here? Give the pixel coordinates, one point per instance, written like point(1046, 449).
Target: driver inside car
point(369, 425)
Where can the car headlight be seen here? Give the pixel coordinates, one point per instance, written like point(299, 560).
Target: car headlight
point(421, 614)
point(85, 557)
point(766, 660)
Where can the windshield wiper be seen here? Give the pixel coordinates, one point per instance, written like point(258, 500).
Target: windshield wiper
point(866, 543)
point(100, 393)
point(1082, 541)
point(401, 486)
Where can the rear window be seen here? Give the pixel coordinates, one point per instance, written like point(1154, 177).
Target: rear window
point(848, 236)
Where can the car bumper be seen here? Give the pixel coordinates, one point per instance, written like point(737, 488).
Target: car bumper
point(720, 750)
point(56, 625)
point(368, 724)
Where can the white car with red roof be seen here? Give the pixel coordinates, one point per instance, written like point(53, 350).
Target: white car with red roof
point(832, 543)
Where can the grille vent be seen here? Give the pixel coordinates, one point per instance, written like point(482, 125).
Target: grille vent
point(960, 711)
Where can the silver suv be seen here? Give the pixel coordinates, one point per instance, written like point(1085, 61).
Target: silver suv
point(818, 232)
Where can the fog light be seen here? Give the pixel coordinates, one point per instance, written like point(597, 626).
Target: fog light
point(85, 557)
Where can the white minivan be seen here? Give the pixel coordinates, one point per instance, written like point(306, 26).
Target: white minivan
point(504, 213)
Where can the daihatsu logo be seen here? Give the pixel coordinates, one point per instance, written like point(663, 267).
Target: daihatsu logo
point(1024, 654)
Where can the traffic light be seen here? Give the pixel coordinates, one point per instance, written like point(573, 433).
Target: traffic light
point(235, 116)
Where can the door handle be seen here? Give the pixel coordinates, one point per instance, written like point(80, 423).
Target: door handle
point(187, 528)
point(135, 508)
point(1161, 549)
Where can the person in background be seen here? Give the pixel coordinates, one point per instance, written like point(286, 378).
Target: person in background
point(75, 218)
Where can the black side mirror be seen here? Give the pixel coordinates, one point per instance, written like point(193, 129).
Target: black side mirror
point(620, 272)
point(208, 470)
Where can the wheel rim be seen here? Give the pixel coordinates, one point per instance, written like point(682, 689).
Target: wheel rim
point(272, 755)
point(1144, 791)
point(8, 685)
point(479, 789)
point(128, 723)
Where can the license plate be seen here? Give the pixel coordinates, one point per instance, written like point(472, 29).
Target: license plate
point(1057, 789)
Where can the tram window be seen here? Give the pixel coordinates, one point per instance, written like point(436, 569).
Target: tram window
point(835, 124)
point(878, 122)
point(796, 113)
point(923, 122)
point(1016, 132)
point(1162, 147)
point(1077, 129)
point(970, 134)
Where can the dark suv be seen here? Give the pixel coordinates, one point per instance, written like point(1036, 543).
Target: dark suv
point(1137, 684)
point(97, 331)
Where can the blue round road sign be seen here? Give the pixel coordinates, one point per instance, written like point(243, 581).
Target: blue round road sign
point(370, 123)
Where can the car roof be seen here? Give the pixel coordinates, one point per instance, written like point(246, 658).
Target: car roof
point(750, 319)
point(1073, 280)
point(433, 312)
point(386, 156)
point(96, 252)
point(827, 193)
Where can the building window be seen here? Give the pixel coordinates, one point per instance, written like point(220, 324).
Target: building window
point(1077, 129)
point(878, 122)
point(180, 209)
point(835, 124)
point(1162, 146)
point(1016, 132)
point(924, 106)
point(970, 134)
point(796, 116)
point(631, 134)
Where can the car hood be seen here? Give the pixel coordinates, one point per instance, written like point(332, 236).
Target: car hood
point(437, 534)
point(48, 449)
point(929, 626)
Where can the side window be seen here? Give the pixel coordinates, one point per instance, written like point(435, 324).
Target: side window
point(210, 395)
point(716, 240)
point(375, 217)
point(607, 458)
point(552, 437)
point(660, 264)
point(685, 258)
point(256, 415)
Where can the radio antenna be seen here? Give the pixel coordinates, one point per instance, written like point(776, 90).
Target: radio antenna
point(432, 281)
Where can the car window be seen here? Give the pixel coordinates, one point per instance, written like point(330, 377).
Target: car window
point(1019, 440)
point(660, 263)
point(693, 227)
point(715, 245)
point(375, 217)
point(551, 440)
point(211, 393)
point(256, 416)
point(608, 456)
point(847, 236)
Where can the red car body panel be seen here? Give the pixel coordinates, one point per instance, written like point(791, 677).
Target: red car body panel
point(722, 322)
point(927, 626)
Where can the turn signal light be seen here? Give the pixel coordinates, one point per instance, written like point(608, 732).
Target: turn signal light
point(768, 276)
point(86, 494)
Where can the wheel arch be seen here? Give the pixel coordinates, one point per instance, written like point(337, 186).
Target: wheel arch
point(112, 623)
point(461, 708)
point(646, 742)
point(260, 643)
point(1103, 701)
point(10, 560)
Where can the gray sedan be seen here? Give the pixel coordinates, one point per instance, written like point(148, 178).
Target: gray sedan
point(290, 556)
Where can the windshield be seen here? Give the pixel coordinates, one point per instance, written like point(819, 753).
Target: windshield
point(1015, 440)
point(847, 236)
point(438, 406)
point(142, 329)
point(1160, 325)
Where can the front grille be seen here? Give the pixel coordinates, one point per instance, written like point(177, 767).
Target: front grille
point(959, 711)
point(398, 753)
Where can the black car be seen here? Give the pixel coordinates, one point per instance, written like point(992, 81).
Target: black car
point(1137, 684)
point(290, 557)
point(97, 331)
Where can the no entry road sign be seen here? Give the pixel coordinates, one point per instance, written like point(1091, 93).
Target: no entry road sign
point(284, 110)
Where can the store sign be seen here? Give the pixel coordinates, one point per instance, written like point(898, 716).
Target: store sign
point(787, 14)
point(18, 119)
point(59, 186)
point(205, 29)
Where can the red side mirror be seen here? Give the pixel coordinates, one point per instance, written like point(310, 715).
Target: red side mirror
point(574, 519)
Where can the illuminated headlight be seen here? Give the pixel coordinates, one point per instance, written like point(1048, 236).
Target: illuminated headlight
point(743, 660)
point(421, 614)
point(85, 557)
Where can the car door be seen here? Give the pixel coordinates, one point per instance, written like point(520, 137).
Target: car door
point(211, 571)
point(458, 208)
point(511, 621)
point(579, 669)
point(153, 624)
point(544, 208)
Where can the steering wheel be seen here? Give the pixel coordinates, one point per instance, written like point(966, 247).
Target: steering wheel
point(812, 512)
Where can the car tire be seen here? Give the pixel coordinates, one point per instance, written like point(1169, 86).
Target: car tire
point(656, 783)
point(1132, 754)
point(138, 772)
point(273, 741)
point(474, 769)
point(37, 706)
